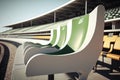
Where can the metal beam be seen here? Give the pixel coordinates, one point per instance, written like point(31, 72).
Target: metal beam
point(54, 16)
point(85, 6)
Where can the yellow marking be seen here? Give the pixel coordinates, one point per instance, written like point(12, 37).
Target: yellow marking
point(42, 37)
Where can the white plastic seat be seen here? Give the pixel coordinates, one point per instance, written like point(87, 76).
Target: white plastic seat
point(55, 35)
point(64, 35)
point(85, 52)
point(53, 40)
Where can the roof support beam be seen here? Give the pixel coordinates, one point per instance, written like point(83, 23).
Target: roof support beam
point(21, 25)
point(85, 6)
point(31, 23)
point(54, 16)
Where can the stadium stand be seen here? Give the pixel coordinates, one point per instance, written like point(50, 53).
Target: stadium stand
point(32, 39)
point(112, 13)
point(65, 32)
point(108, 44)
point(111, 50)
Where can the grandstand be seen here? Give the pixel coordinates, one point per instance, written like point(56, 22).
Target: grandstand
point(54, 37)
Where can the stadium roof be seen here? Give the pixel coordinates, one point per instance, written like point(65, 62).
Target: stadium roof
point(72, 9)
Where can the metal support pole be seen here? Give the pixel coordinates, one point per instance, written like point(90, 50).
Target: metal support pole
point(54, 16)
point(51, 77)
point(113, 25)
point(21, 25)
point(85, 6)
point(31, 23)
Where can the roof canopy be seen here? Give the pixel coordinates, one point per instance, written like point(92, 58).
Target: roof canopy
point(76, 8)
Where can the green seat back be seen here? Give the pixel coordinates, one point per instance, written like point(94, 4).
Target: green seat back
point(62, 38)
point(63, 33)
point(54, 36)
point(79, 30)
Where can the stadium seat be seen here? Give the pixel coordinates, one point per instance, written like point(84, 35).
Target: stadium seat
point(108, 44)
point(113, 54)
point(53, 34)
point(53, 40)
point(83, 53)
point(53, 46)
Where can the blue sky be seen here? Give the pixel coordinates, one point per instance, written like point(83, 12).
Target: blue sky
point(12, 11)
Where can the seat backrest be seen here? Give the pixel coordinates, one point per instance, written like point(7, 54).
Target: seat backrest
point(108, 40)
point(117, 44)
point(82, 31)
point(54, 36)
point(64, 34)
point(78, 34)
point(79, 29)
point(53, 39)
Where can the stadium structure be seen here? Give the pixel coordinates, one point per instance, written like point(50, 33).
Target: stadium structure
point(80, 39)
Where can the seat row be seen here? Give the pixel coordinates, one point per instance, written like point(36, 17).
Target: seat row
point(112, 13)
point(111, 47)
point(70, 49)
